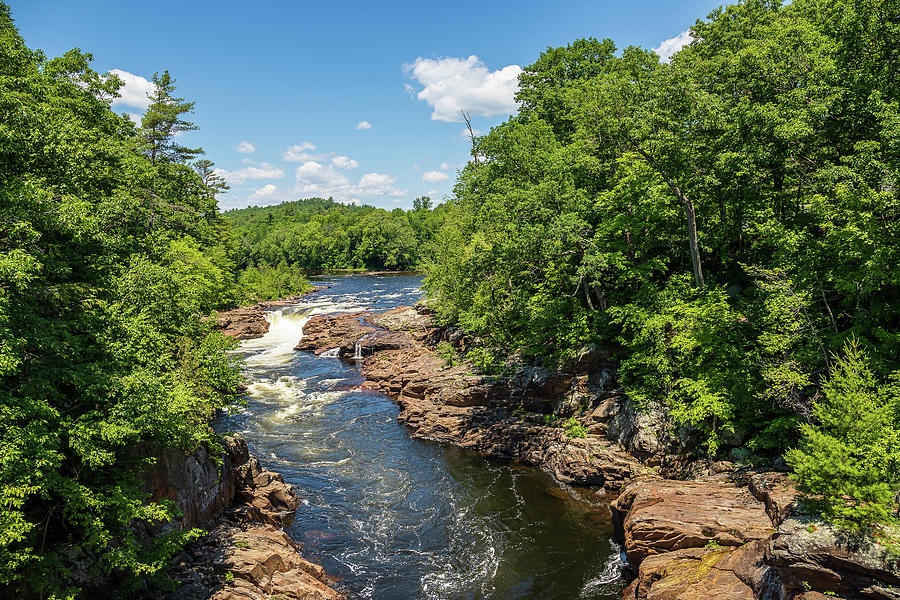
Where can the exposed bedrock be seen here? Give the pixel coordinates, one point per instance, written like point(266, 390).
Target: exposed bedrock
point(243, 323)
point(441, 399)
point(725, 533)
point(741, 537)
point(246, 555)
point(811, 555)
point(653, 516)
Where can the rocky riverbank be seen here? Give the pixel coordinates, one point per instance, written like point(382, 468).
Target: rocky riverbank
point(245, 555)
point(499, 417)
point(712, 530)
point(741, 536)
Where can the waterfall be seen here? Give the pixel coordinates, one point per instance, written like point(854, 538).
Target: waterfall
point(357, 350)
point(276, 347)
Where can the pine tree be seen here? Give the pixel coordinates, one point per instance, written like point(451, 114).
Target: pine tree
point(849, 458)
point(163, 122)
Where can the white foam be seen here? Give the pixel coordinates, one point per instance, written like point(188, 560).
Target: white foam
point(285, 389)
point(610, 574)
point(276, 347)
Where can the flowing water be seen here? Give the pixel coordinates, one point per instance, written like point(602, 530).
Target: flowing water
point(393, 517)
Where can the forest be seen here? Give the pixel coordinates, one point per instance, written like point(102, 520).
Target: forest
point(112, 250)
point(728, 223)
point(317, 234)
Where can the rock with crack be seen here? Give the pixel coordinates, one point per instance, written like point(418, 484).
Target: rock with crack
point(654, 516)
point(724, 573)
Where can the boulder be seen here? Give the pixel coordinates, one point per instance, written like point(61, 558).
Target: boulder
point(654, 516)
point(243, 323)
point(724, 573)
point(643, 432)
point(341, 330)
point(200, 489)
point(246, 556)
point(810, 554)
point(262, 562)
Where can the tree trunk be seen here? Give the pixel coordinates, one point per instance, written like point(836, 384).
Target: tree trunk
point(690, 217)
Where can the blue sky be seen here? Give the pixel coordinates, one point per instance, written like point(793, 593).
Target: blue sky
point(355, 100)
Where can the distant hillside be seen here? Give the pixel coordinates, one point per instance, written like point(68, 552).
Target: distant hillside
point(323, 234)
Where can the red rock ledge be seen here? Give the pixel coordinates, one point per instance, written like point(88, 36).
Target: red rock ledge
point(730, 536)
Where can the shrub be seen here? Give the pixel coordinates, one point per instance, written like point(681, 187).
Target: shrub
point(848, 461)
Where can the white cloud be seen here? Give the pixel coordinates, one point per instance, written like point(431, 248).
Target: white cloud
point(377, 184)
point(445, 166)
point(434, 176)
point(364, 125)
point(325, 181)
point(465, 134)
point(322, 175)
point(451, 85)
point(668, 47)
point(134, 91)
point(298, 153)
point(316, 179)
point(245, 147)
point(135, 118)
point(267, 192)
point(263, 171)
point(344, 162)
point(314, 173)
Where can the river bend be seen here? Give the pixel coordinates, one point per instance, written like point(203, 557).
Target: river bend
point(398, 518)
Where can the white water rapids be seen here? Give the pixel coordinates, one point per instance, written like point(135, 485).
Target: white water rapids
point(394, 517)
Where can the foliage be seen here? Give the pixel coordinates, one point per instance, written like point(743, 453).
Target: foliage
point(848, 460)
point(318, 234)
point(447, 353)
point(485, 360)
point(162, 122)
point(111, 251)
point(688, 347)
point(256, 284)
point(724, 221)
point(574, 429)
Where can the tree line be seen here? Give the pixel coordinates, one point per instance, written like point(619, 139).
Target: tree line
point(316, 234)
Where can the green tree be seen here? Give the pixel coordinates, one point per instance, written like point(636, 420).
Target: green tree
point(849, 458)
point(102, 348)
point(163, 121)
point(213, 183)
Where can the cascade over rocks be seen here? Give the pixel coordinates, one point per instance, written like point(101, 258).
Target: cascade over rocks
point(249, 322)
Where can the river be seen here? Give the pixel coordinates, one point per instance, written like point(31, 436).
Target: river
point(398, 518)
